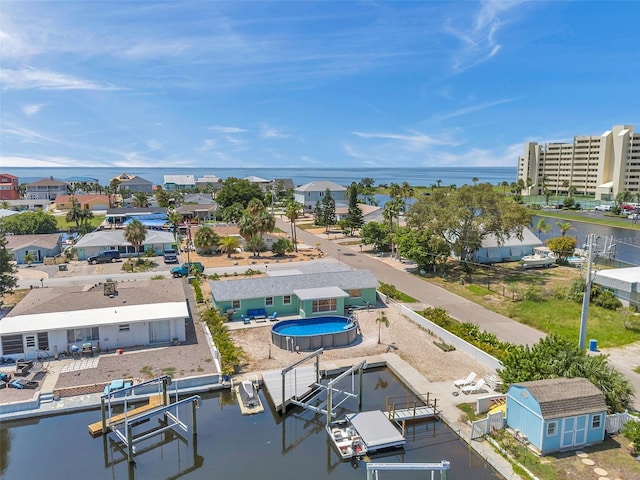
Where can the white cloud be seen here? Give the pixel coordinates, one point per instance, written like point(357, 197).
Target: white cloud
point(31, 78)
point(475, 108)
point(478, 157)
point(413, 140)
point(45, 162)
point(226, 129)
point(32, 109)
point(207, 144)
point(267, 131)
point(154, 144)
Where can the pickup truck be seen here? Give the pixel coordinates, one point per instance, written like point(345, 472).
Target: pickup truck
point(186, 268)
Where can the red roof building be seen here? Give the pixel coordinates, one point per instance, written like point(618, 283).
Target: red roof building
point(9, 187)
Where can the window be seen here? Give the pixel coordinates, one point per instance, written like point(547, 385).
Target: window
point(43, 341)
point(595, 422)
point(31, 341)
point(326, 305)
point(235, 304)
point(286, 300)
point(268, 302)
point(356, 292)
point(551, 429)
point(12, 344)
point(83, 334)
point(123, 328)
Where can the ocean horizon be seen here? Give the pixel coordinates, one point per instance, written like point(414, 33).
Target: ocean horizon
point(419, 176)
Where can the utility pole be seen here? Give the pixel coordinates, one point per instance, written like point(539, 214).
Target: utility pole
point(582, 343)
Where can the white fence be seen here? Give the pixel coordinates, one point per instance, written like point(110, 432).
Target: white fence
point(493, 421)
point(616, 421)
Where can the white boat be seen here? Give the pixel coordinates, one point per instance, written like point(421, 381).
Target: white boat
point(346, 440)
point(541, 257)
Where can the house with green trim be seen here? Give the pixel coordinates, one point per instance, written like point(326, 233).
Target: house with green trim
point(291, 292)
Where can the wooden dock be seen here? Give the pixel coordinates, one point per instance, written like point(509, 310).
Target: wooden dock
point(95, 429)
point(413, 413)
point(299, 382)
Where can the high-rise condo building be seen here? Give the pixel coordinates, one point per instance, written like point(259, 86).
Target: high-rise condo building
point(603, 165)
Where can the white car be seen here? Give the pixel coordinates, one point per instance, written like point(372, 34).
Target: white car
point(603, 208)
point(634, 216)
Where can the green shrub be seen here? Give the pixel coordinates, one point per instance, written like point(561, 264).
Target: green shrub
point(631, 431)
point(150, 253)
point(389, 290)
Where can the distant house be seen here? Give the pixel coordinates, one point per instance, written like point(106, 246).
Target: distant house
point(512, 249)
point(179, 182)
point(109, 316)
point(9, 187)
point(40, 246)
point(95, 242)
point(123, 177)
point(45, 189)
point(7, 213)
point(199, 199)
point(117, 216)
point(137, 184)
point(21, 204)
point(208, 181)
point(91, 202)
point(259, 180)
point(313, 192)
point(623, 282)
point(285, 184)
point(557, 414)
point(199, 212)
point(296, 293)
point(370, 213)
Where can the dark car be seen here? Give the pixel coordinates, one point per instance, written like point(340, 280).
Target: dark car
point(170, 256)
point(104, 257)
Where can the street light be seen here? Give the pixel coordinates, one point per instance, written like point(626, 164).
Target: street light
point(339, 250)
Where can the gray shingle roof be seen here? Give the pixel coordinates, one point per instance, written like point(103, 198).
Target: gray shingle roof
point(78, 297)
point(43, 240)
point(102, 238)
point(565, 397)
point(321, 186)
point(285, 285)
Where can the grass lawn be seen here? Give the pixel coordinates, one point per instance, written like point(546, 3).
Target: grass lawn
point(609, 221)
point(65, 226)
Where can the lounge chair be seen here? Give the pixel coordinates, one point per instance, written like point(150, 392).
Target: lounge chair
point(474, 388)
point(246, 320)
point(273, 317)
point(20, 384)
point(465, 381)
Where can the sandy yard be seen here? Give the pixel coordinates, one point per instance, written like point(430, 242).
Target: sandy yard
point(403, 337)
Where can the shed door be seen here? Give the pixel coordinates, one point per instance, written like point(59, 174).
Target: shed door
point(574, 431)
point(160, 331)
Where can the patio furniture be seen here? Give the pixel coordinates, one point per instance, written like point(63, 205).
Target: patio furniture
point(474, 388)
point(273, 317)
point(465, 381)
point(22, 368)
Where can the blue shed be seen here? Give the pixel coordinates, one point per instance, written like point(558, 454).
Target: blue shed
point(557, 414)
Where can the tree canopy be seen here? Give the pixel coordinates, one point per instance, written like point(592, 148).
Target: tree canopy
point(422, 246)
point(205, 238)
point(354, 218)
point(135, 233)
point(377, 234)
point(238, 190)
point(556, 356)
point(465, 217)
point(7, 269)
point(29, 223)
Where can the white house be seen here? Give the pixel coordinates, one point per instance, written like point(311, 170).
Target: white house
point(623, 282)
point(313, 192)
point(108, 316)
point(510, 250)
point(179, 182)
point(95, 242)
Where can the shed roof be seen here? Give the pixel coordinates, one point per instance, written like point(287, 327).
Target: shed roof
point(565, 397)
point(528, 238)
point(320, 293)
point(286, 284)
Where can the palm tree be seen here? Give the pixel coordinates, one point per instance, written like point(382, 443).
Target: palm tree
point(205, 238)
point(135, 233)
point(229, 245)
point(292, 212)
point(564, 227)
point(542, 226)
point(29, 258)
point(75, 212)
point(249, 229)
point(5, 204)
point(504, 186)
point(438, 182)
point(381, 320)
point(395, 190)
point(140, 199)
point(475, 180)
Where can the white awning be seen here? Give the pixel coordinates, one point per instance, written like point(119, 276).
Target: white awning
point(320, 293)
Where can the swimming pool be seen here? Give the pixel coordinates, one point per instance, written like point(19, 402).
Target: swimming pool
point(312, 333)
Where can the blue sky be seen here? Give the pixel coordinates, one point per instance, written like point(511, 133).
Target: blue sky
point(309, 84)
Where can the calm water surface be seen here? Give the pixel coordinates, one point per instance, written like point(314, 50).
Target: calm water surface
point(228, 446)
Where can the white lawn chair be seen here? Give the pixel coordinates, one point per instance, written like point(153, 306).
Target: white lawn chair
point(465, 381)
point(474, 388)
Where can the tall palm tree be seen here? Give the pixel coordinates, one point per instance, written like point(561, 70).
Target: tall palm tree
point(140, 199)
point(564, 227)
point(475, 180)
point(75, 212)
point(205, 238)
point(292, 212)
point(438, 182)
point(542, 226)
point(229, 245)
point(249, 228)
point(381, 320)
point(135, 233)
point(504, 186)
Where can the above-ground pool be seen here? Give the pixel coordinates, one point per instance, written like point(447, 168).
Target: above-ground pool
point(313, 333)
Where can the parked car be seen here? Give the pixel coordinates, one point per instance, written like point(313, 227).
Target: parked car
point(170, 256)
point(104, 257)
point(186, 268)
point(634, 216)
point(603, 208)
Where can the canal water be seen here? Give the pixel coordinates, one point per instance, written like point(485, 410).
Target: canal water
point(228, 445)
point(627, 241)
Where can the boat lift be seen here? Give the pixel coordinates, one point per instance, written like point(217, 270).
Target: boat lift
point(442, 467)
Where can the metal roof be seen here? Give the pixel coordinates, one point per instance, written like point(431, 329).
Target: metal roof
point(321, 186)
point(376, 430)
point(107, 238)
point(320, 293)
point(285, 285)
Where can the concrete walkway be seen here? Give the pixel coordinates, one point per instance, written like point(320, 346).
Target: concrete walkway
point(624, 359)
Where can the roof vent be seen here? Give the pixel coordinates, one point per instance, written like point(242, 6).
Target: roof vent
point(110, 289)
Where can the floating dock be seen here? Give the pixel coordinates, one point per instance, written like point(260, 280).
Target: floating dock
point(376, 431)
point(298, 383)
point(249, 402)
